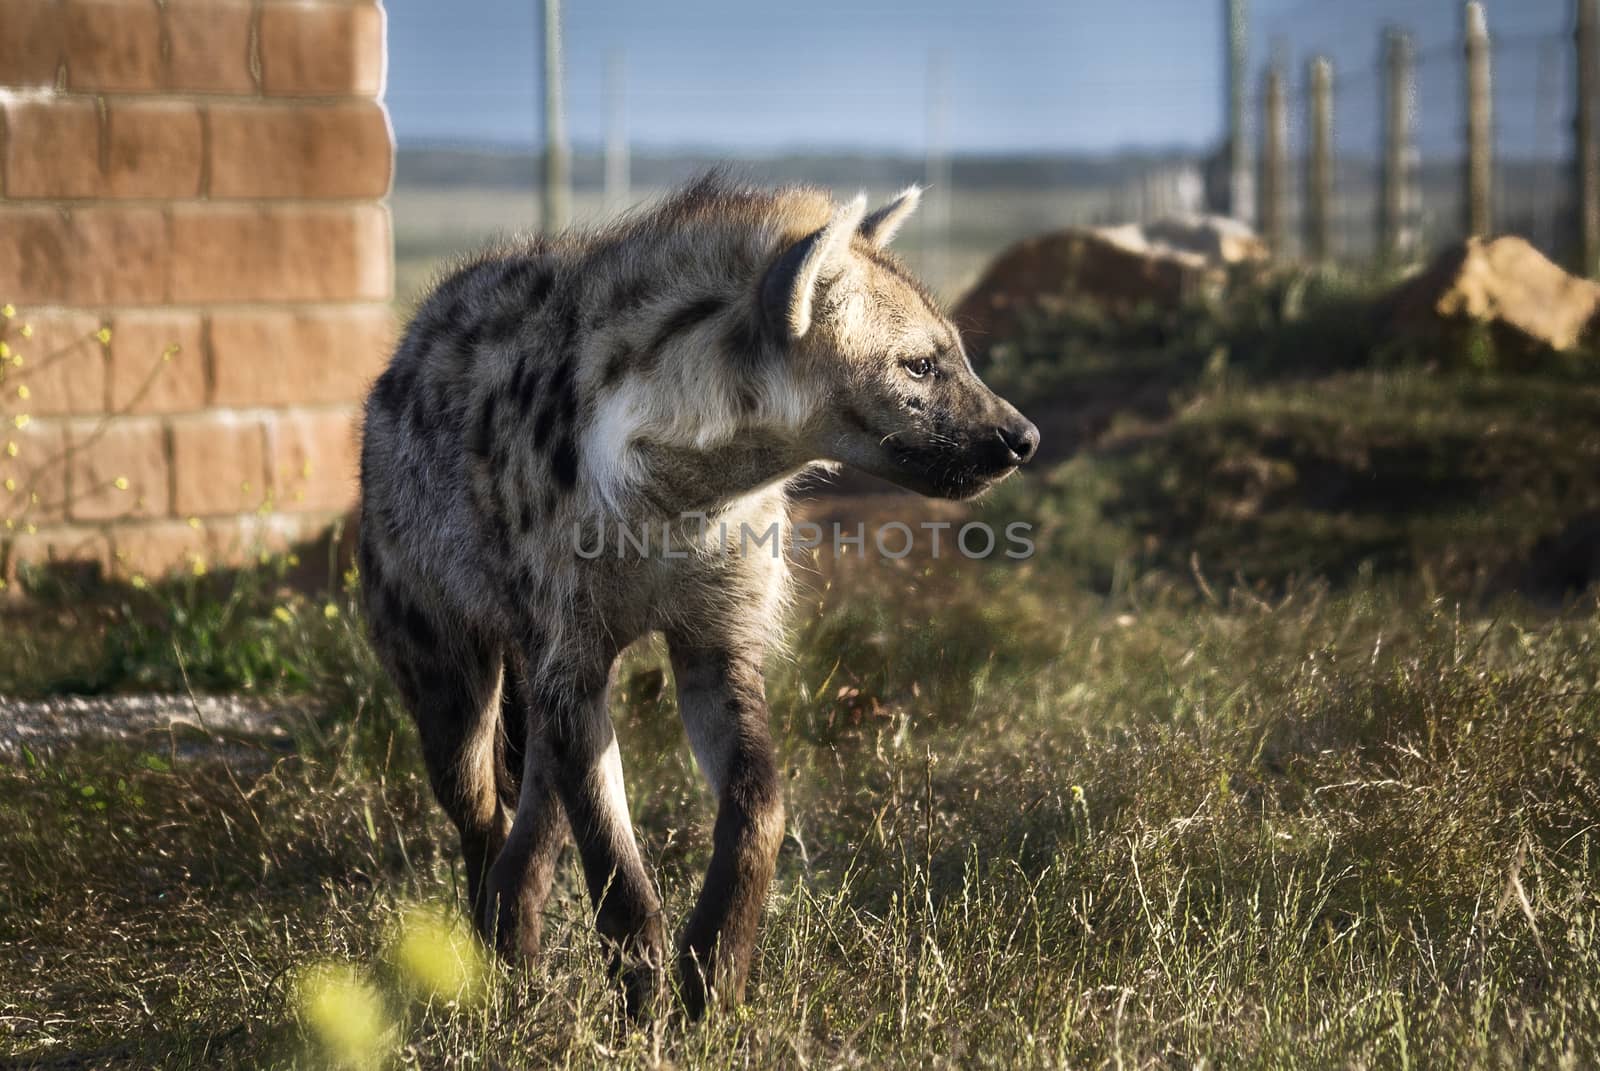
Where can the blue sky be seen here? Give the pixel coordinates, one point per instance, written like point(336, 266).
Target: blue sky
point(1021, 74)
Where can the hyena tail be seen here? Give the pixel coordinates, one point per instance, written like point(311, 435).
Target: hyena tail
point(511, 737)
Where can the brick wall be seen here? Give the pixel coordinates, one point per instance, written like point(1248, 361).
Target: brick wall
point(201, 174)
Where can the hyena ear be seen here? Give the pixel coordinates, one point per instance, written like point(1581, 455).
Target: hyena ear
point(881, 227)
point(791, 283)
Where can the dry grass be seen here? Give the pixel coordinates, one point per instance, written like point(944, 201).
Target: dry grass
point(1117, 806)
point(1327, 830)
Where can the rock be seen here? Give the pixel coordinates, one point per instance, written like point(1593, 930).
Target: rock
point(1506, 284)
point(1222, 241)
point(1118, 268)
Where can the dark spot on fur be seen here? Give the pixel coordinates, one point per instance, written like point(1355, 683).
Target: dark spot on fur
point(564, 322)
point(745, 341)
point(527, 391)
point(560, 375)
point(499, 527)
point(544, 425)
point(616, 364)
point(632, 294)
point(525, 520)
point(687, 318)
point(420, 417)
point(537, 289)
point(560, 405)
point(483, 437)
point(504, 324)
point(564, 463)
point(417, 627)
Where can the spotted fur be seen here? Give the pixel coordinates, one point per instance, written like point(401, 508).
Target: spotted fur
point(688, 359)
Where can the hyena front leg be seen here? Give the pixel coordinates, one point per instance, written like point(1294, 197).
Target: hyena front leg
point(573, 748)
point(723, 702)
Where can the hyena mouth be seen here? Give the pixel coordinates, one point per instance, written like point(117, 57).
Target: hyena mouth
point(953, 474)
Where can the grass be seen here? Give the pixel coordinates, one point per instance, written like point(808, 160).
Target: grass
point(1267, 760)
point(1330, 829)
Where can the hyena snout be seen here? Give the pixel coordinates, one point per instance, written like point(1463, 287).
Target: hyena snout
point(1019, 440)
point(1000, 440)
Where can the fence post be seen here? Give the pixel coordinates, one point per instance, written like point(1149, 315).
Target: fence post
point(1587, 155)
point(1274, 165)
point(1480, 126)
point(1240, 193)
point(557, 207)
point(1319, 168)
point(936, 212)
point(617, 180)
point(1396, 235)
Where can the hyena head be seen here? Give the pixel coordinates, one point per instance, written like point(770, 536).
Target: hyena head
point(898, 397)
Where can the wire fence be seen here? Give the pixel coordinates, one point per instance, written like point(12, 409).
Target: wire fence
point(978, 203)
point(1532, 98)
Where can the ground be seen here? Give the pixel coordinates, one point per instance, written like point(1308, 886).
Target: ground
point(1281, 752)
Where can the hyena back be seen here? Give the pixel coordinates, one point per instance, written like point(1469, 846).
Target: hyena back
point(690, 359)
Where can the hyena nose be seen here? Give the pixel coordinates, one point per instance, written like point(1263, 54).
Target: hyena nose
point(1021, 439)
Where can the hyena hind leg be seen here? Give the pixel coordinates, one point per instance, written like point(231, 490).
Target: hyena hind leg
point(450, 679)
point(572, 756)
point(520, 879)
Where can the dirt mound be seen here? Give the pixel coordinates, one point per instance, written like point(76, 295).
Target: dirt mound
point(1120, 268)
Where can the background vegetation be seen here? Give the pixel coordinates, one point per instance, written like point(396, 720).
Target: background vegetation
point(1282, 752)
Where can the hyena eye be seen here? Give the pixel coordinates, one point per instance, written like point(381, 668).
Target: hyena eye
point(918, 367)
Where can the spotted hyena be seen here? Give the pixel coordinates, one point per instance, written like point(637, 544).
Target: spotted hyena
point(687, 360)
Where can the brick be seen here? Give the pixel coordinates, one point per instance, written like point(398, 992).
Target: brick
point(153, 149)
point(303, 356)
point(321, 49)
point(52, 148)
point(113, 44)
point(289, 253)
point(142, 379)
point(35, 265)
point(157, 548)
point(101, 453)
point(208, 46)
point(300, 150)
point(30, 47)
point(118, 255)
point(219, 465)
point(52, 549)
point(63, 366)
point(38, 473)
point(314, 460)
point(91, 255)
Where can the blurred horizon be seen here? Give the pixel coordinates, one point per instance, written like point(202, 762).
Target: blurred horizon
point(1017, 78)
